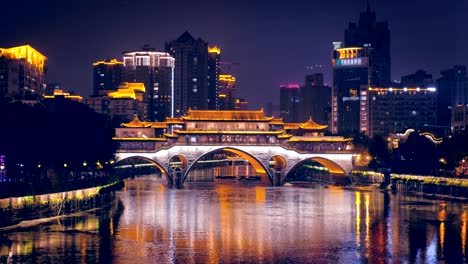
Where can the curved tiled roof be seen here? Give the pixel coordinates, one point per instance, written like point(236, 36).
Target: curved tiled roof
point(311, 125)
point(226, 115)
point(136, 123)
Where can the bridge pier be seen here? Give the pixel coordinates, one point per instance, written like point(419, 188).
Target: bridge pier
point(177, 178)
point(277, 176)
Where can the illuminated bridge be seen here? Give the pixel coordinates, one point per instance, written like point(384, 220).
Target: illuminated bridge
point(272, 147)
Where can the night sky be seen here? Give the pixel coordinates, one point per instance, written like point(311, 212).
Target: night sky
point(273, 42)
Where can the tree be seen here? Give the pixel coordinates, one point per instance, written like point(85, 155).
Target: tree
point(381, 155)
point(419, 155)
point(52, 134)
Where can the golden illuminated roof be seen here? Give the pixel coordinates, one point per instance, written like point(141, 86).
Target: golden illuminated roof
point(214, 49)
point(226, 115)
point(61, 93)
point(111, 62)
point(228, 132)
point(136, 123)
point(171, 135)
point(291, 126)
point(227, 78)
point(311, 125)
point(285, 136)
point(27, 53)
point(158, 124)
point(127, 91)
point(136, 86)
point(174, 121)
point(277, 121)
point(318, 139)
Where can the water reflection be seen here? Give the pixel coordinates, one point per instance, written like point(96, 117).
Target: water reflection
point(222, 223)
point(83, 238)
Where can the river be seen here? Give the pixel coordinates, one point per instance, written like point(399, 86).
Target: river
point(246, 223)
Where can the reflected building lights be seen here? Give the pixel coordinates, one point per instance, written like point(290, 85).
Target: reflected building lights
point(358, 219)
point(366, 202)
point(463, 232)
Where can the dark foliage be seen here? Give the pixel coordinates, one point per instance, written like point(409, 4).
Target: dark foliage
point(51, 134)
point(419, 155)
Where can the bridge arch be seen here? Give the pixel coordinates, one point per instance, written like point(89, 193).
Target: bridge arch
point(333, 168)
point(277, 162)
point(155, 163)
point(178, 160)
point(259, 167)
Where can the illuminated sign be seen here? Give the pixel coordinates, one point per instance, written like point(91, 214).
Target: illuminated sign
point(346, 62)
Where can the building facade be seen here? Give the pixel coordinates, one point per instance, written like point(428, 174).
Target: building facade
point(214, 54)
point(191, 73)
point(459, 119)
point(385, 110)
point(129, 100)
point(156, 71)
point(351, 71)
point(22, 72)
point(375, 36)
point(227, 92)
point(452, 91)
point(289, 102)
point(315, 99)
point(107, 76)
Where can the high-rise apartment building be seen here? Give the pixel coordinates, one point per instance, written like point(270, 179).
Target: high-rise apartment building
point(156, 71)
point(227, 92)
point(452, 91)
point(107, 76)
point(214, 54)
point(191, 73)
point(22, 72)
point(289, 102)
point(315, 99)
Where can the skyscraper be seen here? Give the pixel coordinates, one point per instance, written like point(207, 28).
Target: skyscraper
point(452, 91)
point(376, 36)
point(315, 99)
point(107, 76)
point(22, 72)
point(351, 71)
point(289, 102)
point(156, 71)
point(191, 73)
point(226, 97)
point(213, 77)
point(362, 60)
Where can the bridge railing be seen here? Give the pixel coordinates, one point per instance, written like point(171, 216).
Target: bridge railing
point(156, 146)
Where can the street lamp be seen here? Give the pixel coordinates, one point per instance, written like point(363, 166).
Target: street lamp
point(84, 163)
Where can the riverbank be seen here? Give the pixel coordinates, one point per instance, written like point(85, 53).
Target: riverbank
point(432, 187)
point(17, 209)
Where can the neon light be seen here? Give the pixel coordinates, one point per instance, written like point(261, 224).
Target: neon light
point(290, 86)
